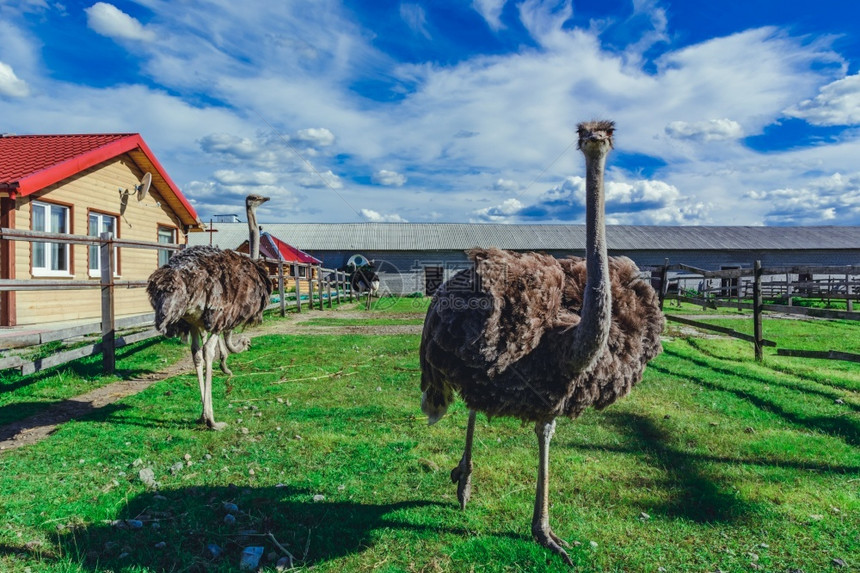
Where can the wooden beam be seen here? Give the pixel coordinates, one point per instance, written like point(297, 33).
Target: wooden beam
point(823, 354)
point(720, 329)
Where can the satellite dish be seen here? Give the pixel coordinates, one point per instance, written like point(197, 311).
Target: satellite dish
point(143, 188)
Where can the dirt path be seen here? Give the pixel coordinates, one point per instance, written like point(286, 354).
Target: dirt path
point(39, 426)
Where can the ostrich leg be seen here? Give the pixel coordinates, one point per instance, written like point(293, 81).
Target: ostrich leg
point(197, 357)
point(462, 473)
point(210, 349)
point(540, 521)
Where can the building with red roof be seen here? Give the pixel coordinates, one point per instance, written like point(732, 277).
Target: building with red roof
point(83, 184)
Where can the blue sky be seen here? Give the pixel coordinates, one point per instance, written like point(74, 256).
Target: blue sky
point(727, 113)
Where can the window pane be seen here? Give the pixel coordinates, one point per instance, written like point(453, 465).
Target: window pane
point(165, 235)
point(93, 231)
point(38, 217)
point(58, 257)
point(58, 219)
point(39, 255)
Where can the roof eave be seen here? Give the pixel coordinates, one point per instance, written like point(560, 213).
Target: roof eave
point(55, 173)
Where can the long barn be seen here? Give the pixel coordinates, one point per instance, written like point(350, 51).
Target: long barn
point(414, 252)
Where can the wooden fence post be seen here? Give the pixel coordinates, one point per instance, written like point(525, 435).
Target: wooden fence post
point(338, 284)
point(328, 291)
point(281, 287)
point(296, 274)
point(757, 310)
point(108, 315)
point(320, 286)
point(664, 286)
point(849, 304)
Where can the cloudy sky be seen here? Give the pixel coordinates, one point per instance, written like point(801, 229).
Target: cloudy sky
point(728, 113)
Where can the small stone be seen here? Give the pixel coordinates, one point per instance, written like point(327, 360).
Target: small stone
point(749, 430)
point(207, 457)
point(250, 558)
point(593, 544)
point(713, 424)
point(251, 472)
point(244, 430)
point(187, 457)
point(230, 519)
point(816, 517)
point(156, 525)
point(341, 487)
point(661, 570)
point(214, 551)
point(753, 556)
point(124, 554)
point(319, 497)
point(835, 510)
point(137, 462)
point(429, 465)
point(644, 516)
point(277, 428)
point(764, 545)
point(231, 507)
point(160, 545)
point(147, 476)
point(283, 564)
point(176, 468)
point(839, 563)
point(297, 437)
point(839, 401)
point(280, 400)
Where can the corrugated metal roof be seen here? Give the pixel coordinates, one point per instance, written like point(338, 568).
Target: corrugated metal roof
point(360, 237)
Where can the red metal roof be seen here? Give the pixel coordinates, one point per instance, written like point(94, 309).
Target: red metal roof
point(29, 163)
point(274, 248)
point(289, 253)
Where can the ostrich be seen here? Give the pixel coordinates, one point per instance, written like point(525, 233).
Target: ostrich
point(365, 280)
point(532, 337)
point(206, 293)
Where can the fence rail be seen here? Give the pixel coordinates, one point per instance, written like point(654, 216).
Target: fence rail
point(846, 286)
point(306, 277)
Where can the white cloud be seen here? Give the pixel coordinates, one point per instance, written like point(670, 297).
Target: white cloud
point(389, 178)
point(501, 213)
point(319, 179)
point(318, 136)
point(230, 177)
point(491, 11)
point(415, 17)
point(705, 131)
point(376, 217)
point(829, 200)
point(838, 103)
point(108, 20)
point(507, 185)
point(10, 84)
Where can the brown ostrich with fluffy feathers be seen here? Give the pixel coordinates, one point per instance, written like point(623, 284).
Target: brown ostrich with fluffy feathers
point(535, 338)
point(206, 293)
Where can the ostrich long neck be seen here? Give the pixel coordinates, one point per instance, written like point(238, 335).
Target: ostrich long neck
point(593, 330)
point(253, 234)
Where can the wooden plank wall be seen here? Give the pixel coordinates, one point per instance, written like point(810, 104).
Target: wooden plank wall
point(96, 189)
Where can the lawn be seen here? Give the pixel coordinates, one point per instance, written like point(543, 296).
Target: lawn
point(714, 462)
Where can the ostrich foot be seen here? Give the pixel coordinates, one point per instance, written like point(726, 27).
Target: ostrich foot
point(211, 424)
point(462, 476)
point(551, 541)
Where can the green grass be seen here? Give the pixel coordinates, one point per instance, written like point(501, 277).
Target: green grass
point(735, 463)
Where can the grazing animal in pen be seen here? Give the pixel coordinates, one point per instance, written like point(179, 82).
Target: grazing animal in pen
point(535, 338)
point(206, 293)
point(365, 280)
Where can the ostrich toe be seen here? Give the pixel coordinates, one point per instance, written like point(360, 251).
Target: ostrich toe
point(462, 476)
point(546, 537)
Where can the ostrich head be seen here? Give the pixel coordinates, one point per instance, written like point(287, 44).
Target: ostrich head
point(253, 201)
point(595, 137)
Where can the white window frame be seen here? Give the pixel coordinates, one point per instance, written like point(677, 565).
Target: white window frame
point(46, 270)
point(96, 271)
point(174, 240)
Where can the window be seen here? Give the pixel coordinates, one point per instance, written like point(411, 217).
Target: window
point(98, 224)
point(50, 259)
point(167, 236)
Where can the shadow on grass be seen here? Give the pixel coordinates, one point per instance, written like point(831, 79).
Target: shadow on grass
point(830, 394)
point(699, 497)
point(841, 427)
point(189, 520)
point(45, 419)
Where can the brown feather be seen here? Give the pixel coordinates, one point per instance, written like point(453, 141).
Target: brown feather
point(497, 338)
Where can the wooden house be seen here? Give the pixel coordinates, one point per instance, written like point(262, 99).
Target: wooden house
point(83, 185)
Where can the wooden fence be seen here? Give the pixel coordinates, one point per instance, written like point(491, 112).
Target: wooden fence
point(745, 288)
point(318, 289)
